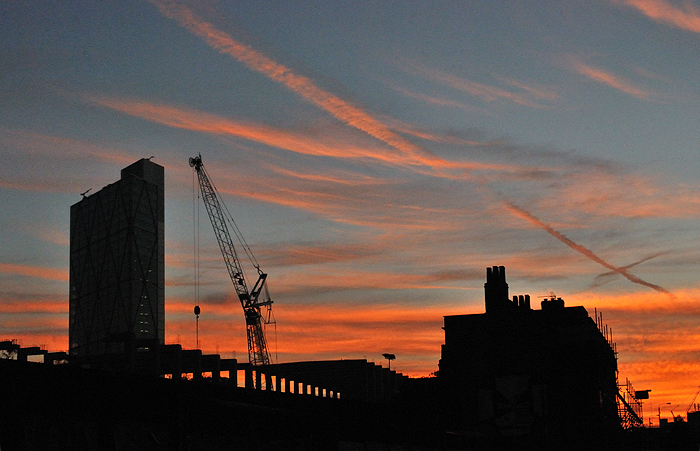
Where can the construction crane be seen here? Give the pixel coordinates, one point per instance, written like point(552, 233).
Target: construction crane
point(251, 300)
point(692, 401)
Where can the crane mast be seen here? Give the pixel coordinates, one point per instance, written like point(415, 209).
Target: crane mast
point(250, 300)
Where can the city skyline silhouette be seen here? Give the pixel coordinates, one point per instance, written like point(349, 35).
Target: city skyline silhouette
point(377, 158)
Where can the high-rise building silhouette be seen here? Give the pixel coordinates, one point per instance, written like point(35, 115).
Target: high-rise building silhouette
point(117, 268)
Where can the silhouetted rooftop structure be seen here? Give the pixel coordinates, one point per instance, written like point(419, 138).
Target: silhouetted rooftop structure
point(545, 379)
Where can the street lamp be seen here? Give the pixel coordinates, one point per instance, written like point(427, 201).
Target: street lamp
point(389, 357)
point(668, 404)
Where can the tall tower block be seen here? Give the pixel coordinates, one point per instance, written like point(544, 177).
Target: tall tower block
point(117, 267)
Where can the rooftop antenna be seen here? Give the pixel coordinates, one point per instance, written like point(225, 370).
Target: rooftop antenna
point(84, 194)
point(389, 357)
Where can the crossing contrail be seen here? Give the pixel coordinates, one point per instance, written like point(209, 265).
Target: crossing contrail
point(581, 249)
point(603, 278)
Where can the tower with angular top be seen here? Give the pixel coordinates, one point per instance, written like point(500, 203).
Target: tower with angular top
point(117, 268)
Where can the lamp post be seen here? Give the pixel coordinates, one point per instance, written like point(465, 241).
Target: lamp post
point(389, 357)
point(668, 404)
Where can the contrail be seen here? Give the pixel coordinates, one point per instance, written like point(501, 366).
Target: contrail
point(345, 112)
point(299, 84)
point(196, 120)
point(601, 277)
point(581, 249)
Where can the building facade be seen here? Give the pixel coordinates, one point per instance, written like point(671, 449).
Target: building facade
point(528, 379)
point(117, 268)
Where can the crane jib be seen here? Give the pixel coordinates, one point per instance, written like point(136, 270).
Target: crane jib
point(250, 300)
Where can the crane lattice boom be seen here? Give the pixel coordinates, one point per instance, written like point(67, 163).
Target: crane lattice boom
point(250, 300)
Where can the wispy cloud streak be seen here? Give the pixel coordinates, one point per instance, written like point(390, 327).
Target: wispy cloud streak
point(485, 92)
point(440, 101)
point(579, 248)
point(190, 119)
point(611, 80)
point(686, 17)
point(35, 271)
point(299, 84)
point(411, 153)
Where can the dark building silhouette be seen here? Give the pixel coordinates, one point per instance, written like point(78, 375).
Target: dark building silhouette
point(117, 268)
point(509, 378)
point(538, 379)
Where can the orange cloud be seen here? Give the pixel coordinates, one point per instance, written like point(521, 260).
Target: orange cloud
point(190, 119)
point(35, 271)
point(348, 178)
point(8, 307)
point(53, 236)
point(686, 16)
point(536, 91)
point(314, 273)
point(413, 333)
point(311, 332)
point(422, 134)
point(685, 302)
point(36, 321)
point(339, 208)
point(610, 194)
point(657, 340)
point(441, 101)
point(303, 254)
point(610, 80)
point(381, 203)
point(353, 279)
point(49, 331)
point(52, 341)
point(302, 143)
point(486, 92)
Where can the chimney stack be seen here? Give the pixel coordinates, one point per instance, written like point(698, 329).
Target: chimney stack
point(496, 289)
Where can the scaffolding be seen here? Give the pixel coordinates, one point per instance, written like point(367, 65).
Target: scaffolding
point(629, 408)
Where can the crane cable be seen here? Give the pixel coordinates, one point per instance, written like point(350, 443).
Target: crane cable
point(229, 218)
point(195, 247)
point(226, 217)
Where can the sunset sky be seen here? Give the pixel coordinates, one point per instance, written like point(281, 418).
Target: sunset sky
point(377, 156)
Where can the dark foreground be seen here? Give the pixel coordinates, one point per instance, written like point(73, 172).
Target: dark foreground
point(65, 407)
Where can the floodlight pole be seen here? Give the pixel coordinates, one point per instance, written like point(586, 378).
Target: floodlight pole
point(389, 357)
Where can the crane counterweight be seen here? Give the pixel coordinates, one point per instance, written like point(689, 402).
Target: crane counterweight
point(251, 300)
